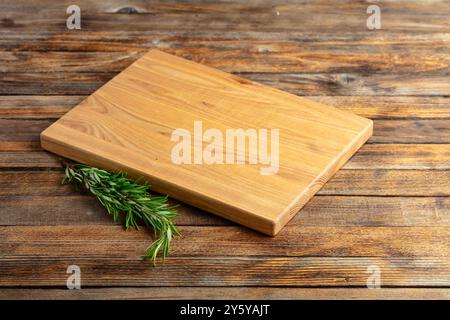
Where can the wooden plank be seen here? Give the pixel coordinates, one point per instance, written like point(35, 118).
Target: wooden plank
point(82, 209)
point(129, 125)
point(381, 107)
point(233, 48)
point(377, 182)
point(321, 211)
point(355, 84)
point(389, 182)
point(401, 156)
point(26, 160)
point(227, 293)
point(234, 55)
point(411, 131)
point(229, 241)
point(51, 83)
point(33, 183)
point(233, 271)
point(13, 130)
point(69, 241)
point(19, 145)
point(303, 84)
point(36, 107)
point(386, 107)
point(261, 16)
point(30, 62)
point(370, 156)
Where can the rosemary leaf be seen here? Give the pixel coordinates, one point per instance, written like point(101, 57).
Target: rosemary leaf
point(121, 196)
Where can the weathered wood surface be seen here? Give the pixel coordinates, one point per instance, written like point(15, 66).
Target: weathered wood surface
point(389, 206)
point(228, 293)
point(227, 271)
point(101, 241)
point(257, 15)
point(339, 84)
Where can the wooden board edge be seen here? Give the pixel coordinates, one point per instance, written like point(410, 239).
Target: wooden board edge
point(323, 178)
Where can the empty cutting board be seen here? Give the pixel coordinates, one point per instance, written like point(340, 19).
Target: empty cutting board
point(139, 120)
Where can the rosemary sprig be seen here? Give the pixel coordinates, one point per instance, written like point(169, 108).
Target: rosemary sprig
point(119, 195)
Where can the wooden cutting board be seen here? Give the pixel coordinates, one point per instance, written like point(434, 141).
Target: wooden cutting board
point(239, 149)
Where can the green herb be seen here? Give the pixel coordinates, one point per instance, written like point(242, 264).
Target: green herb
point(119, 195)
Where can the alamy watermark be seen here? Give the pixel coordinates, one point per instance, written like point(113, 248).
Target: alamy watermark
point(231, 146)
point(74, 20)
point(74, 280)
point(374, 278)
point(374, 20)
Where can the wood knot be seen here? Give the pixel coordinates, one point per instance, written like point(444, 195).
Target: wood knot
point(128, 10)
point(7, 23)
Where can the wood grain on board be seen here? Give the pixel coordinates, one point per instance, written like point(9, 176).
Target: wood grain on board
point(128, 125)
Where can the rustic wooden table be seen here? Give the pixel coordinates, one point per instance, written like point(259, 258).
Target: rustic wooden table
point(387, 210)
